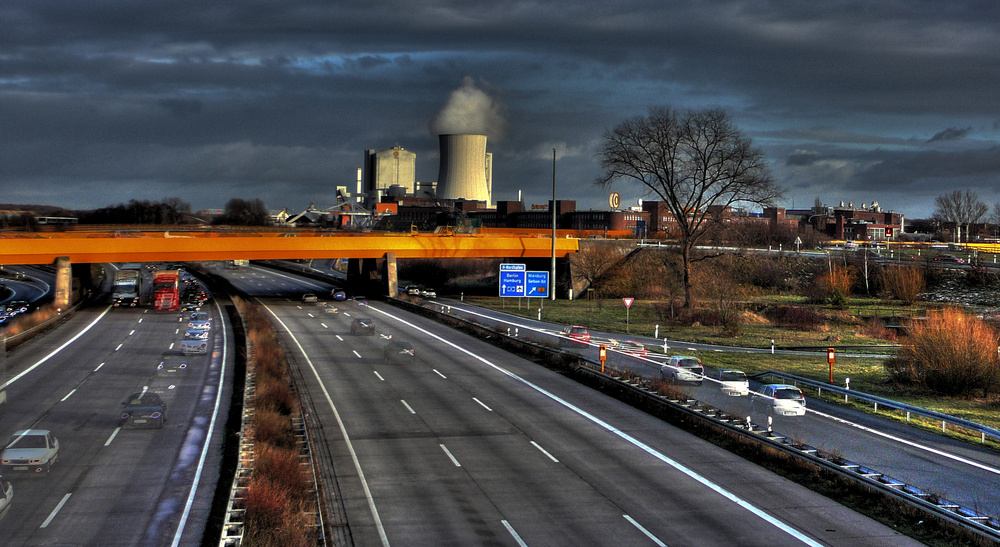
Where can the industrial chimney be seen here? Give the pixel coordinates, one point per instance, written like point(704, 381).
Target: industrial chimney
point(466, 170)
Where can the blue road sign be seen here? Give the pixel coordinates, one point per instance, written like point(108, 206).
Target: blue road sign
point(511, 283)
point(536, 284)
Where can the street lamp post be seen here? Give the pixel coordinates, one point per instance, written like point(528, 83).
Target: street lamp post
point(552, 274)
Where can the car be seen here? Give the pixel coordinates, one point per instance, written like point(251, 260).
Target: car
point(143, 409)
point(682, 368)
point(6, 496)
point(330, 308)
point(780, 399)
point(413, 290)
point(949, 258)
point(733, 382)
point(196, 335)
point(360, 300)
point(199, 321)
point(30, 451)
point(194, 346)
point(399, 351)
point(338, 294)
point(576, 335)
point(632, 347)
point(428, 293)
point(363, 325)
point(190, 307)
point(309, 298)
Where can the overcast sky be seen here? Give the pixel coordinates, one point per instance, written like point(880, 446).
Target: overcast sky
point(103, 101)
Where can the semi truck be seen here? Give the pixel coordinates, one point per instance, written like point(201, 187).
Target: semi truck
point(166, 293)
point(127, 288)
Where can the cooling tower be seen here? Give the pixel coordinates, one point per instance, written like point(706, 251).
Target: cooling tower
point(465, 170)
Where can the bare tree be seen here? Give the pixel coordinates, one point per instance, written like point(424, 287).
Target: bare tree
point(696, 161)
point(961, 208)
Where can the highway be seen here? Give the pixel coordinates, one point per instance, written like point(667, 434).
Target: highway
point(113, 486)
point(471, 445)
point(961, 472)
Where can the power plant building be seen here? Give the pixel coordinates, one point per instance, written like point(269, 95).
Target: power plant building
point(466, 169)
point(391, 167)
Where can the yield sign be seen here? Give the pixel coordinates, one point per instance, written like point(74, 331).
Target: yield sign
point(628, 302)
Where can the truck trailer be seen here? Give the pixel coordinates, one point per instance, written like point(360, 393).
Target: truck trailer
point(166, 293)
point(127, 289)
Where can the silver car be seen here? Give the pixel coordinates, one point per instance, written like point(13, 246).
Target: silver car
point(733, 382)
point(30, 450)
point(682, 368)
point(6, 495)
point(780, 399)
point(199, 321)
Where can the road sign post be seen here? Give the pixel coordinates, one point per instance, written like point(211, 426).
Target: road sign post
point(628, 306)
point(831, 357)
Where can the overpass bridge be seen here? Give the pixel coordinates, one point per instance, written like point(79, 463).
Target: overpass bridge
point(362, 249)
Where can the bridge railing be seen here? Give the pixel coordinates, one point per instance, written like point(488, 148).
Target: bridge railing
point(877, 401)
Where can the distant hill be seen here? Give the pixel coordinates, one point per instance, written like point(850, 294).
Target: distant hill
point(39, 210)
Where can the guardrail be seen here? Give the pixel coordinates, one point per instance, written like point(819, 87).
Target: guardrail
point(945, 419)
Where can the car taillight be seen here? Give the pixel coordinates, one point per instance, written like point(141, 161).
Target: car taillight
point(5, 462)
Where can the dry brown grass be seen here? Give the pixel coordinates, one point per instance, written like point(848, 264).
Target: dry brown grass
point(904, 283)
point(952, 353)
point(27, 321)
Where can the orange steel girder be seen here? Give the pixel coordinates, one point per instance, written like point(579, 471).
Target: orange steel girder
point(92, 247)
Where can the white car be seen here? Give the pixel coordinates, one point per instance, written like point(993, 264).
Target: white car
point(198, 347)
point(30, 450)
point(780, 399)
point(733, 382)
point(683, 368)
point(199, 321)
point(6, 495)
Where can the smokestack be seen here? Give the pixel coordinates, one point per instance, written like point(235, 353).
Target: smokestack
point(465, 170)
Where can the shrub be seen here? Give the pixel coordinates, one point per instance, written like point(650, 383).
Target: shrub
point(951, 353)
point(272, 428)
point(275, 395)
point(904, 283)
point(833, 286)
point(796, 317)
point(284, 469)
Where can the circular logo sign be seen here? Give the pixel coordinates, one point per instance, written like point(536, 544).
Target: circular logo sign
point(615, 200)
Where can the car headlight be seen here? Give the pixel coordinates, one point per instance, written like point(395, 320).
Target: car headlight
point(154, 415)
point(125, 415)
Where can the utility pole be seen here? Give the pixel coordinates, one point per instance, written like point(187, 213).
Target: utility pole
point(552, 274)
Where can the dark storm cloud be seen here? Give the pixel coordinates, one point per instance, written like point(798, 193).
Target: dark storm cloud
point(278, 100)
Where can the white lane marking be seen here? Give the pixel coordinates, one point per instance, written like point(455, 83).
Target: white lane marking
point(119, 347)
point(171, 346)
point(760, 513)
point(131, 332)
point(55, 351)
point(324, 325)
point(439, 374)
point(408, 407)
point(510, 529)
point(943, 454)
point(543, 451)
point(356, 353)
point(338, 337)
point(52, 515)
point(112, 437)
point(482, 404)
point(452, 458)
point(208, 437)
point(67, 395)
point(310, 315)
point(379, 375)
point(177, 331)
point(140, 319)
point(343, 429)
point(346, 314)
point(98, 367)
point(645, 531)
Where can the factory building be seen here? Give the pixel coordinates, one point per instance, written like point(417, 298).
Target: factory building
point(386, 168)
point(466, 169)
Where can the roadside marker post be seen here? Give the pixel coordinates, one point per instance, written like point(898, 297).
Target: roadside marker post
point(604, 356)
point(831, 357)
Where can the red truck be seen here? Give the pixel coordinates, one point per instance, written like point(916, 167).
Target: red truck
point(166, 291)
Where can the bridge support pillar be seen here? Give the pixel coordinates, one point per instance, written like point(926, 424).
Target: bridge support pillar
point(389, 275)
point(64, 282)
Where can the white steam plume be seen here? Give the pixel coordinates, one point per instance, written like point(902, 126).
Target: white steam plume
point(470, 110)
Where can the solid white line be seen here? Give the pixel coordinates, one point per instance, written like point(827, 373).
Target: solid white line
point(482, 404)
point(112, 437)
point(379, 375)
point(645, 531)
point(343, 429)
point(52, 515)
point(439, 374)
point(67, 395)
point(55, 351)
point(356, 353)
point(408, 407)
point(760, 513)
point(510, 529)
point(546, 452)
point(452, 458)
point(208, 436)
point(984, 467)
point(98, 367)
